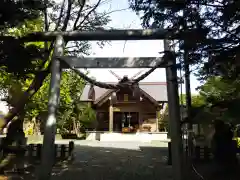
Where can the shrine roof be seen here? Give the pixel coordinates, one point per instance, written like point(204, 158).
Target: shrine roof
point(157, 90)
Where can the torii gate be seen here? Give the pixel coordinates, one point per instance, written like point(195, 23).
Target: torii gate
point(60, 61)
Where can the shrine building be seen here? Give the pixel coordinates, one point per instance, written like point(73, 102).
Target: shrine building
point(126, 110)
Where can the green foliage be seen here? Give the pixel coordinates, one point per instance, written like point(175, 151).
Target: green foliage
point(87, 115)
point(220, 89)
point(17, 72)
point(197, 100)
point(16, 19)
point(199, 111)
point(209, 29)
point(71, 111)
point(18, 59)
point(29, 131)
point(25, 70)
point(223, 96)
point(15, 12)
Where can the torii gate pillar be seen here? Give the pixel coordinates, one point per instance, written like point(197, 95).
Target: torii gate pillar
point(47, 160)
point(174, 114)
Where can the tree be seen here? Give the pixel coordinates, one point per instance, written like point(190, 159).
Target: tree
point(71, 110)
point(220, 89)
point(223, 96)
point(70, 15)
point(19, 14)
point(209, 30)
point(14, 13)
point(16, 75)
point(197, 100)
point(18, 61)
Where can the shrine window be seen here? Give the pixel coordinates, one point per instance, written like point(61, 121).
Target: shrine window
point(125, 97)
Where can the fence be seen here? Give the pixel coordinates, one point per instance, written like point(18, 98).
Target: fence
point(34, 151)
point(200, 153)
point(62, 151)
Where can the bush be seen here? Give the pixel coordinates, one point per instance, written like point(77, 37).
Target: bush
point(29, 131)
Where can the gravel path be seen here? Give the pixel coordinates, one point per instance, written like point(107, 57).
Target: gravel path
point(116, 161)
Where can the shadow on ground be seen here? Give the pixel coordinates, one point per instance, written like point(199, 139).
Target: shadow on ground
point(109, 163)
point(212, 171)
point(120, 161)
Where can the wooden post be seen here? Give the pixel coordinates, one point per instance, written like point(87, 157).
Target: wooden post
point(30, 150)
point(39, 151)
point(55, 152)
point(110, 115)
point(169, 153)
point(157, 119)
point(63, 151)
point(140, 120)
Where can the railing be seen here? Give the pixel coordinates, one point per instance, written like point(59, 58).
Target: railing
point(200, 153)
point(34, 151)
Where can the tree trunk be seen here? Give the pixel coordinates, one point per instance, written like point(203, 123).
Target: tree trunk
point(33, 88)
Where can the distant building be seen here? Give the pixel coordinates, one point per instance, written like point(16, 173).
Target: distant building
point(126, 109)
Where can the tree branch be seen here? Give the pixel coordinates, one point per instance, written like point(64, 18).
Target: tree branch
point(44, 72)
point(40, 76)
point(113, 11)
point(60, 16)
point(46, 24)
point(81, 3)
point(87, 15)
point(65, 23)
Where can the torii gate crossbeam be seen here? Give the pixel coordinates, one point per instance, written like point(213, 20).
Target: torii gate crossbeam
point(99, 35)
point(112, 62)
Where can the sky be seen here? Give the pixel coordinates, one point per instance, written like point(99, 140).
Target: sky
point(123, 20)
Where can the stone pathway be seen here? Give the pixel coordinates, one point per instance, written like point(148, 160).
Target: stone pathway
point(116, 161)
